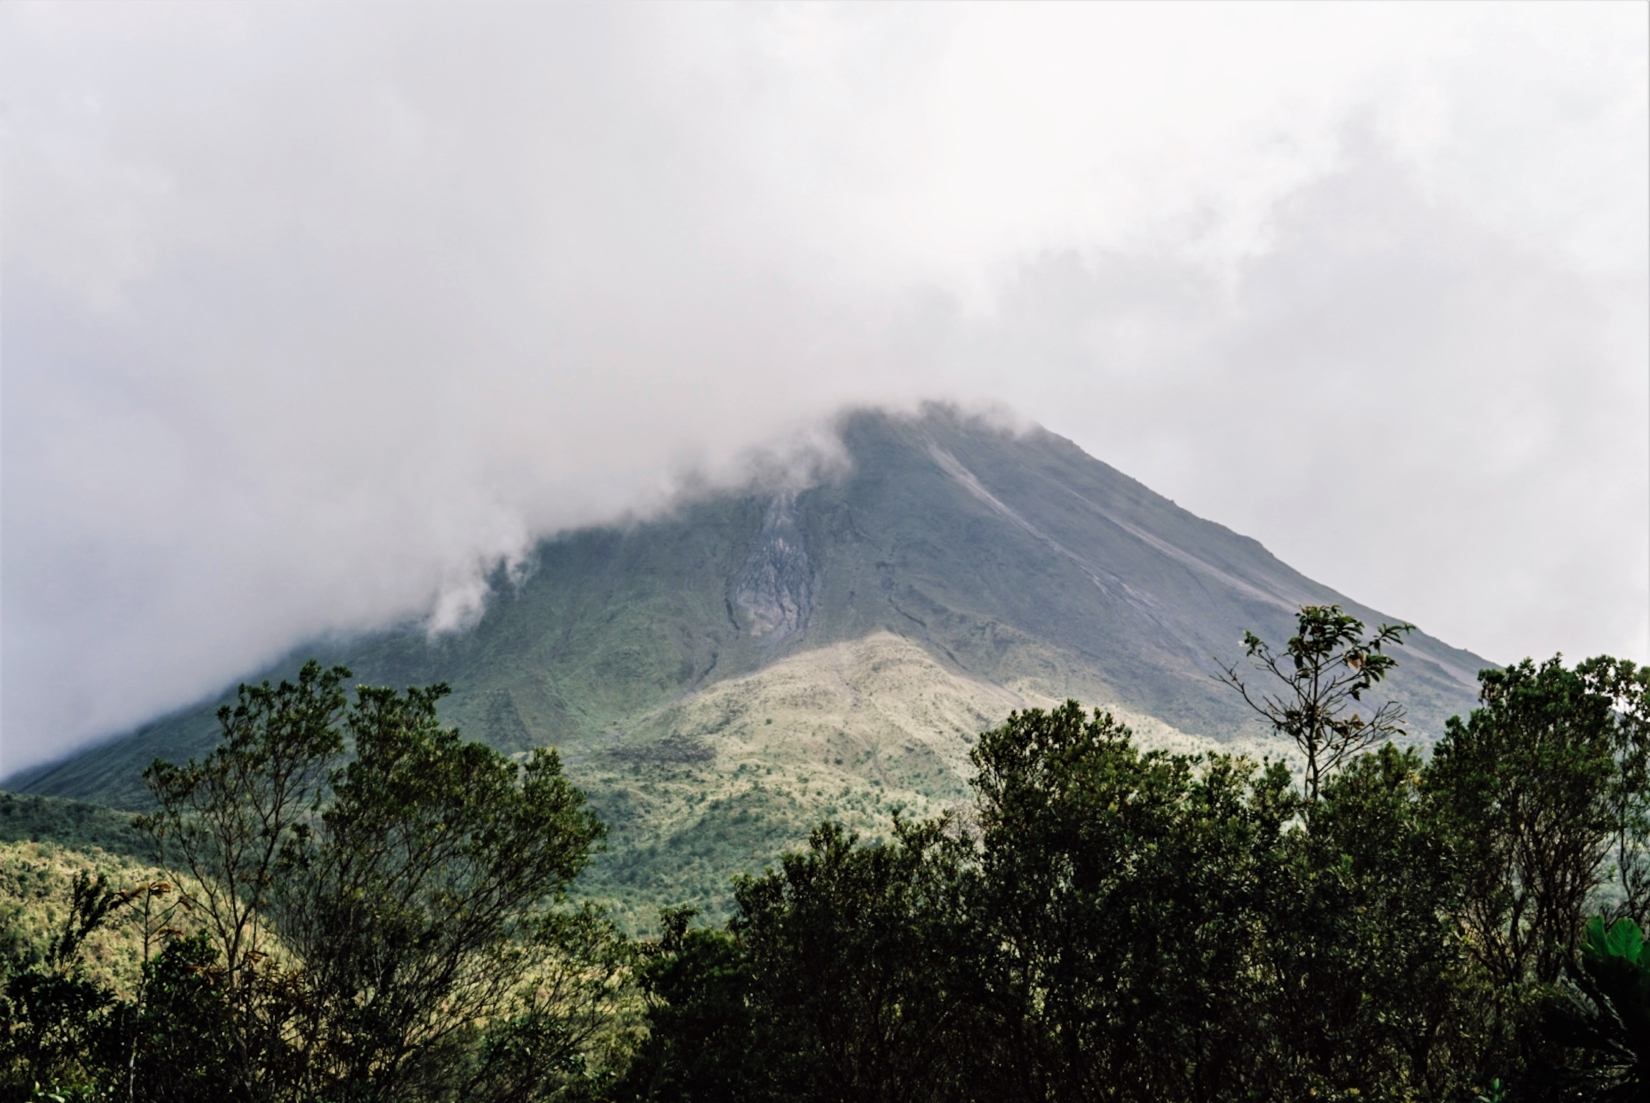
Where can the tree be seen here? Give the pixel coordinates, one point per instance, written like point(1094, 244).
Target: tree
point(1324, 671)
point(1628, 689)
point(1366, 984)
point(53, 1017)
point(843, 976)
point(1600, 1020)
point(174, 1044)
point(860, 952)
point(415, 904)
point(1541, 785)
point(387, 926)
point(1120, 898)
point(566, 1031)
point(226, 824)
point(66, 1035)
point(708, 1039)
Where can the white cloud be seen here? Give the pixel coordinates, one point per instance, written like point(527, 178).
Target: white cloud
point(313, 314)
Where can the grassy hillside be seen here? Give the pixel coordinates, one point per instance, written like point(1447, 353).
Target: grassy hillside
point(726, 780)
point(44, 842)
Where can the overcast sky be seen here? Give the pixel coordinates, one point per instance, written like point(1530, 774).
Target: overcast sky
point(312, 312)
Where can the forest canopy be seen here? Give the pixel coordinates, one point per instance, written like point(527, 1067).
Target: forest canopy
point(352, 902)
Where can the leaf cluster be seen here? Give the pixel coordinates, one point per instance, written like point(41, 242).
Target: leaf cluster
point(1601, 1015)
point(1319, 679)
point(365, 906)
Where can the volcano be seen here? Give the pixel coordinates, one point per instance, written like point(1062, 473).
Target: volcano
point(721, 677)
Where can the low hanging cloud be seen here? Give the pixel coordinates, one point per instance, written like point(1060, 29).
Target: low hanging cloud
point(315, 316)
point(1401, 403)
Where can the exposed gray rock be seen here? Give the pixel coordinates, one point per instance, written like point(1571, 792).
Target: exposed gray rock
point(775, 586)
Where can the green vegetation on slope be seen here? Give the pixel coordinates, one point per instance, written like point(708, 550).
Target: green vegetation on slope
point(723, 782)
point(951, 573)
point(45, 842)
point(1131, 926)
point(75, 824)
point(390, 926)
point(1089, 919)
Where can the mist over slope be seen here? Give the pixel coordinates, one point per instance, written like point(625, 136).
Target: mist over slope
point(720, 677)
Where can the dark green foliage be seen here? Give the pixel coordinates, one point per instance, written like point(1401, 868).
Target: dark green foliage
point(67, 1035)
point(1121, 895)
point(228, 824)
point(53, 1017)
point(857, 955)
point(383, 927)
point(1366, 981)
point(1600, 1020)
point(1126, 925)
point(842, 977)
point(709, 1040)
point(1106, 923)
point(174, 1044)
point(1165, 928)
point(544, 1042)
point(1545, 784)
point(413, 905)
point(1627, 688)
point(73, 823)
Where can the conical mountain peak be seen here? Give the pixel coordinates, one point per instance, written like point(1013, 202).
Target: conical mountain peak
point(722, 676)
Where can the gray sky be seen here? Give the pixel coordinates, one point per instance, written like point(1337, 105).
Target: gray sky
point(313, 312)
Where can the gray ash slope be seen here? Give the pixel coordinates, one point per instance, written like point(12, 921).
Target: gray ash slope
point(1020, 557)
point(1012, 559)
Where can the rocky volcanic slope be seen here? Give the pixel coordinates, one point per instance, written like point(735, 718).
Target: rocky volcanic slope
point(720, 678)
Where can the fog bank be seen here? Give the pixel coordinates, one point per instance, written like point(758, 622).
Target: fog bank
point(315, 314)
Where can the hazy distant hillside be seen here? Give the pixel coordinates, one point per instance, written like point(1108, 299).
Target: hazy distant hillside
point(720, 677)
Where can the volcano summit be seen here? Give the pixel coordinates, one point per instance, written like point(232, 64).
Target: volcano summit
point(722, 677)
